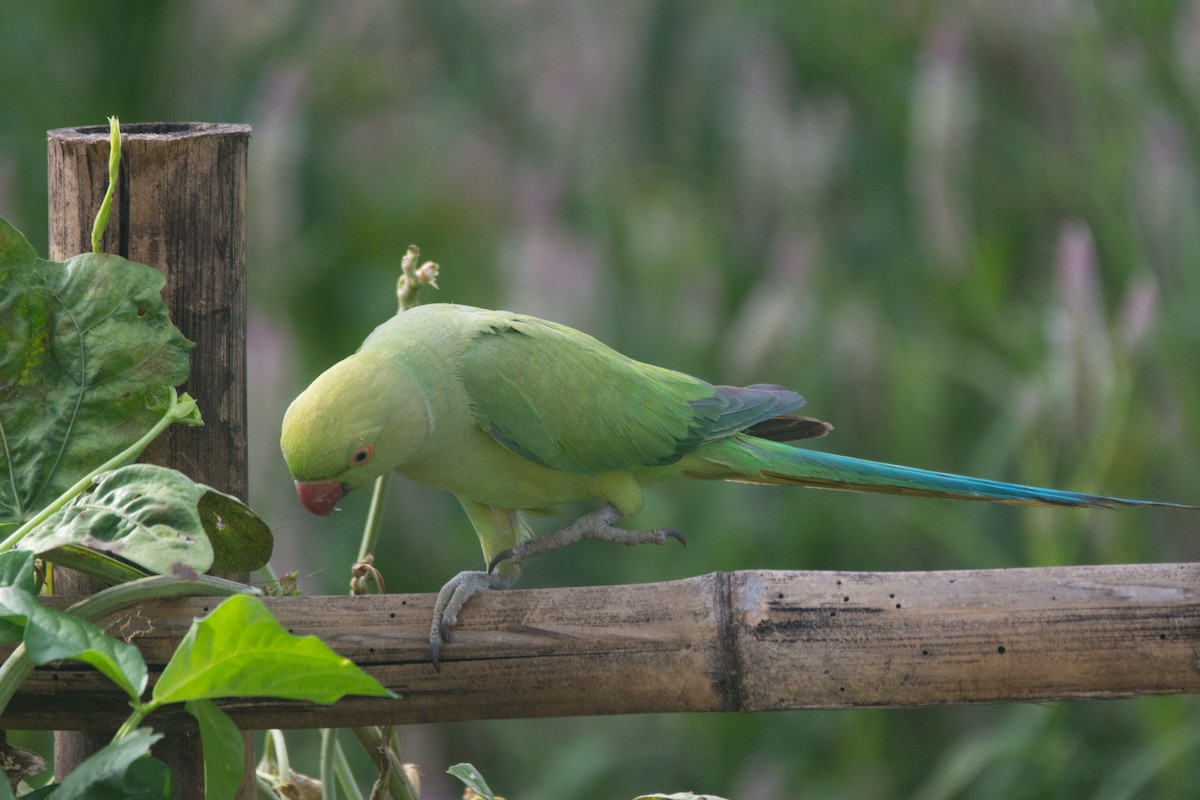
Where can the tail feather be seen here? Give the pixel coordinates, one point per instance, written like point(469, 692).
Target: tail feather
point(758, 461)
point(789, 428)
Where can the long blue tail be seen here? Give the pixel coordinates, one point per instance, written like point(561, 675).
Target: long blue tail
point(758, 461)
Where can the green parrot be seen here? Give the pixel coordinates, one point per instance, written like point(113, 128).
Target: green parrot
point(512, 414)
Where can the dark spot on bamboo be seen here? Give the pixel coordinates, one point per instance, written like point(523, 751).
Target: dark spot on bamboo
point(1000, 649)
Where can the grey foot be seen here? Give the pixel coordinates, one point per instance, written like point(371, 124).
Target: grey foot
point(596, 525)
point(450, 601)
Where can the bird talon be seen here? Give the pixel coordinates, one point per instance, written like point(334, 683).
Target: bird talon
point(674, 534)
point(502, 556)
point(444, 629)
point(434, 652)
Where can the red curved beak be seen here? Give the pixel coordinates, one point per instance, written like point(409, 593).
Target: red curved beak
point(319, 497)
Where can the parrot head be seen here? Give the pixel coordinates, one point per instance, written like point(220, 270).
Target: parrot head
point(360, 419)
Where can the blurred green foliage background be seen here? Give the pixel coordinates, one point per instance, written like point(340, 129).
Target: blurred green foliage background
point(967, 232)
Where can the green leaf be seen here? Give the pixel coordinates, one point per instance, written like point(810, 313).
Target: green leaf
point(159, 519)
point(241, 541)
point(241, 650)
point(52, 635)
point(224, 750)
point(474, 781)
point(119, 771)
point(16, 569)
point(87, 357)
point(143, 513)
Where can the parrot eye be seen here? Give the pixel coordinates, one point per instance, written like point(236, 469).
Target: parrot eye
point(362, 455)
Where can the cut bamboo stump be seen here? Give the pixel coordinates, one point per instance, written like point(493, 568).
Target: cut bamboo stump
point(744, 641)
point(180, 207)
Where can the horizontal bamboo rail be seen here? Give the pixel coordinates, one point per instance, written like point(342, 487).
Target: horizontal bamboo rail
point(749, 641)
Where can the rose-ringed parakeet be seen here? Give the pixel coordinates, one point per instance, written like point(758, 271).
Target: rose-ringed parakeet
point(512, 413)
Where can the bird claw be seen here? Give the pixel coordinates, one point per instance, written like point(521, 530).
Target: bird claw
point(435, 648)
point(502, 556)
point(435, 642)
point(464, 585)
point(450, 601)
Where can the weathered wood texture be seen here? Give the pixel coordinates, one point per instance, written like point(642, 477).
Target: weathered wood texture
point(179, 207)
point(750, 641)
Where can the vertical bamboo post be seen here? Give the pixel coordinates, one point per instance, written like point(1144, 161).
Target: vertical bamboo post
point(181, 208)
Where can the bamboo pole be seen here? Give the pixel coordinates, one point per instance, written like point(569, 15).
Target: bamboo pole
point(179, 207)
point(743, 641)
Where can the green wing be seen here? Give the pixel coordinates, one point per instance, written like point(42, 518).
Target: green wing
point(564, 400)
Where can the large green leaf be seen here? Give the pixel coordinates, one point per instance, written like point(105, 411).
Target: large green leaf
point(159, 519)
point(87, 356)
point(241, 650)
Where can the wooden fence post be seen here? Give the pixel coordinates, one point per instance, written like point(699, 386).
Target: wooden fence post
point(181, 208)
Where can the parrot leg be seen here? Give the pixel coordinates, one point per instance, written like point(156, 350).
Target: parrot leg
point(596, 525)
point(450, 601)
point(464, 585)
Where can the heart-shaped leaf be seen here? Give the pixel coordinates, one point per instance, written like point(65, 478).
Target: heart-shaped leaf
point(87, 358)
point(159, 519)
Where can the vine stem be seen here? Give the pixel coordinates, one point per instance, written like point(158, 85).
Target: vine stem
point(114, 167)
point(333, 758)
point(374, 517)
